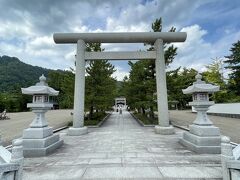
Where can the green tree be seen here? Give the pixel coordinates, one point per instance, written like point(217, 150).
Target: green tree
point(63, 81)
point(177, 80)
point(141, 87)
point(233, 63)
point(169, 50)
point(15, 74)
point(136, 87)
point(100, 86)
point(213, 75)
point(14, 102)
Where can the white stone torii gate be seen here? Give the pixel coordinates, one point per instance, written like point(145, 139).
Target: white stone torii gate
point(158, 38)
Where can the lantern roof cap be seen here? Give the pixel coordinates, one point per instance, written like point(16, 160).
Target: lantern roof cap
point(40, 88)
point(200, 86)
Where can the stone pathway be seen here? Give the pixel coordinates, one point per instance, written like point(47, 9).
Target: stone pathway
point(122, 149)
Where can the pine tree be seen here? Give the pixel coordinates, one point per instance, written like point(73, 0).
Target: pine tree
point(140, 88)
point(169, 50)
point(100, 86)
point(213, 75)
point(233, 61)
point(169, 53)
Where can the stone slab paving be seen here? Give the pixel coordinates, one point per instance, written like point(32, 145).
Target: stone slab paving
point(122, 149)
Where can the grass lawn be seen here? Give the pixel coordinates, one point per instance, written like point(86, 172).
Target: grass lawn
point(146, 120)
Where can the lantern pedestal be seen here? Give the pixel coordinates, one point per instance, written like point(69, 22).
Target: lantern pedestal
point(204, 143)
point(202, 137)
point(36, 147)
point(39, 140)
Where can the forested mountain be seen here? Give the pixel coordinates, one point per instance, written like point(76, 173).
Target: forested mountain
point(15, 74)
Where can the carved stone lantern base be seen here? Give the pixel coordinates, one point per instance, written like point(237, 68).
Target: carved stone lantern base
point(40, 141)
point(203, 136)
point(202, 139)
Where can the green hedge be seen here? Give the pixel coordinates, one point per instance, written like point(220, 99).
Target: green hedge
point(146, 120)
point(96, 118)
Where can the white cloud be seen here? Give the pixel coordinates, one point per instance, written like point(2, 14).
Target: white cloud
point(115, 25)
point(42, 42)
point(196, 52)
point(120, 73)
point(26, 29)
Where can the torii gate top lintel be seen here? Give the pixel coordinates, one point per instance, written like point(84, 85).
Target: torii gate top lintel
point(119, 37)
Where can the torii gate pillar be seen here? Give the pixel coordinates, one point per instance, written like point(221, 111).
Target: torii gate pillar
point(79, 92)
point(163, 126)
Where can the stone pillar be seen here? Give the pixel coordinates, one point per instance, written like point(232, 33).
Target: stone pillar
point(226, 155)
point(79, 92)
point(17, 157)
point(162, 101)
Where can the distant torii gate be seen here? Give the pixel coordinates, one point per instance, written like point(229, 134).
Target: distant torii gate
point(158, 38)
point(120, 100)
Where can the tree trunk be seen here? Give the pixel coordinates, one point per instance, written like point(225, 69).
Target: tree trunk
point(151, 112)
point(143, 110)
point(91, 113)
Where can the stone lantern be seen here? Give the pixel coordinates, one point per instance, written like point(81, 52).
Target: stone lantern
point(202, 137)
point(38, 139)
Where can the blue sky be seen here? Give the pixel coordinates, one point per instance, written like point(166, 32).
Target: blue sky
point(27, 27)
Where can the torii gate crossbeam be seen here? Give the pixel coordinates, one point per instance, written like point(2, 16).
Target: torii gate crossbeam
point(158, 38)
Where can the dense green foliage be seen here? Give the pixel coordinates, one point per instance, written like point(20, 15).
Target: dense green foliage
point(14, 75)
point(213, 75)
point(176, 81)
point(100, 86)
point(63, 81)
point(146, 120)
point(14, 102)
point(233, 61)
point(96, 118)
point(140, 88)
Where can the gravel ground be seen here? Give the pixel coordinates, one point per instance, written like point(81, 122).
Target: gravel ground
point(13, 128)
point(228, 126)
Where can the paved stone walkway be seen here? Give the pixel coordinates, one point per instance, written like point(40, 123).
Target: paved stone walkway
point(122, 149)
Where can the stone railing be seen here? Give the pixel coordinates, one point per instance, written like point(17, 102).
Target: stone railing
point(230, 158)
point(11, 163)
